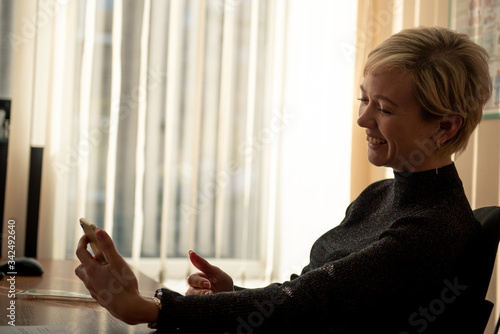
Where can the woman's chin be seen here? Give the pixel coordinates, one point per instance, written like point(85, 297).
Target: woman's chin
point(378, 161)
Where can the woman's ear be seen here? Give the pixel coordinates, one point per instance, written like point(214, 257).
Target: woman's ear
point(448, 127)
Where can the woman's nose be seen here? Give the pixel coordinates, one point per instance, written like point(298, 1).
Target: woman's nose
point(365, 118)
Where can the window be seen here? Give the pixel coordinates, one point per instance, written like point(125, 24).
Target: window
point(201, 125)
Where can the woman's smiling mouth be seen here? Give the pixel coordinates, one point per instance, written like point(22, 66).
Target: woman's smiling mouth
point(375, 140)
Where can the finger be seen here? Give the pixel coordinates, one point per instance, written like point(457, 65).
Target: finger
point(193, 291)
point(199, 281)
point(82, 253)
point(81, 273)
point(202, 264)
point(108, 247)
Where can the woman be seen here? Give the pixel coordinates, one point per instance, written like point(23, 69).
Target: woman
point(421, 98)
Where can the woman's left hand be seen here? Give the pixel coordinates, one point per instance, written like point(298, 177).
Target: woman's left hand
point(114, 285)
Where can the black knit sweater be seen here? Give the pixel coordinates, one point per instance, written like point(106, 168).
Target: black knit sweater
point(399, 241)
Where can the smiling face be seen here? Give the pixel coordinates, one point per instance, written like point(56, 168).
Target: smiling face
point(397, 135)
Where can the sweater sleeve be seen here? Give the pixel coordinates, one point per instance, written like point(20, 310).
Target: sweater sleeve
point(411, 257)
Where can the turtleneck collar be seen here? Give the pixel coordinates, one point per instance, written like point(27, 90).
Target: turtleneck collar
point(421, 183)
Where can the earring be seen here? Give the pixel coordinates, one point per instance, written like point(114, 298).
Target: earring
point(438, 146)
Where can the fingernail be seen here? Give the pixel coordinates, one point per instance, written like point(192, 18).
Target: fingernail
point(208, 292)
point(206, 285)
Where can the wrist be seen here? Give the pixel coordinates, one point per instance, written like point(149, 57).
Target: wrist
point(147, 311)
point(151, 311)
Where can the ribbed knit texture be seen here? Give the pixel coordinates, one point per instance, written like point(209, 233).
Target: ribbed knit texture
point(399, 240)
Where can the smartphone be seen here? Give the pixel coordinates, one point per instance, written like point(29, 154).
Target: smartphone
point(89, 230)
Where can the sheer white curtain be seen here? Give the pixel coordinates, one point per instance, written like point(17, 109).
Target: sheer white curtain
point(218, 126)
point(316, 146)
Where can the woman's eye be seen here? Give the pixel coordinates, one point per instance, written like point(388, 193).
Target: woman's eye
point(382, 110)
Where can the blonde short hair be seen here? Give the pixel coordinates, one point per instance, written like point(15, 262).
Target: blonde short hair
point(450, 75)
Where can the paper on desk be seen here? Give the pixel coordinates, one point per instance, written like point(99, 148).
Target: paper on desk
point(55, 294)
point(50, 329)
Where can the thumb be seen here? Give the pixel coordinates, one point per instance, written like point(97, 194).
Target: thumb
point(109, 252)
point(202, 264)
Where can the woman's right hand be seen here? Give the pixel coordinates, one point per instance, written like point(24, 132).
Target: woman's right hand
point(210, 280)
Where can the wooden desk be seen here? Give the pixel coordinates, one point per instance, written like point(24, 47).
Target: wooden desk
point(80, 317)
